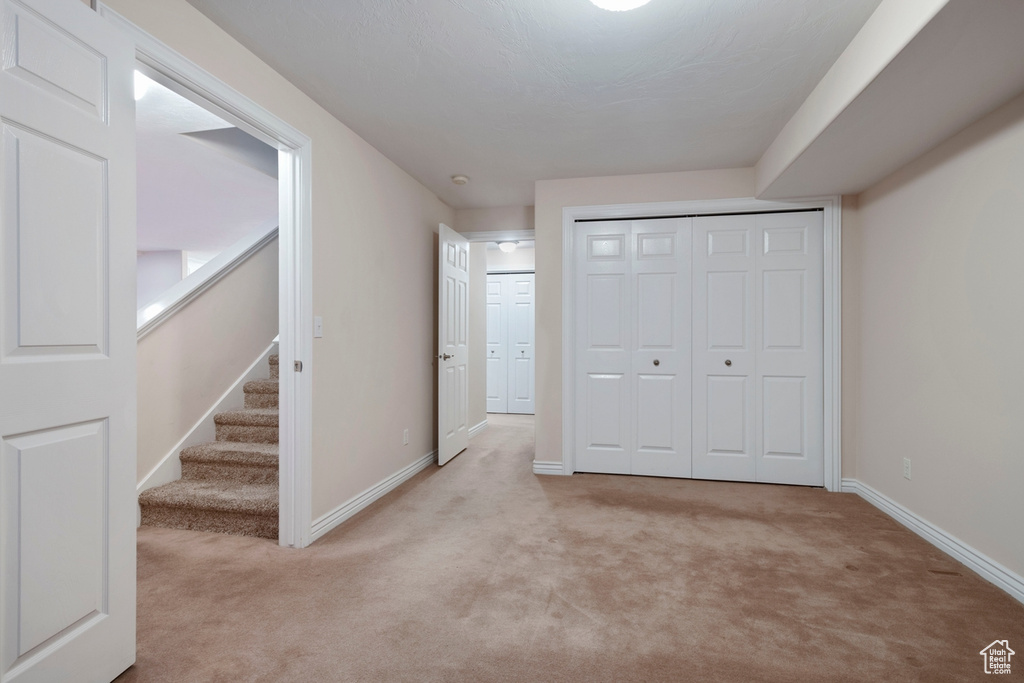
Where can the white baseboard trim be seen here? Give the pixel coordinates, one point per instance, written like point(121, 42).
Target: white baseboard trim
point(478, 428)
point(548, 467)
point(332, 519)
point(989, 569)
point(169, 467)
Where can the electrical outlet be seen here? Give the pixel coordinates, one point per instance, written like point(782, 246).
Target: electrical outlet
point(906, 468)
point(405, 437)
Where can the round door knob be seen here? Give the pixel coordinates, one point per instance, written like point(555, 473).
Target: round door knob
point(492, 350)
point(657, 362)
point(728, 362)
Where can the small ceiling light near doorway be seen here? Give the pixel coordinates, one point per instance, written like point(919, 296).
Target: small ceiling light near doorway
point(619, 5)
point(507, 247)
point(460, 179)
point(141, 85)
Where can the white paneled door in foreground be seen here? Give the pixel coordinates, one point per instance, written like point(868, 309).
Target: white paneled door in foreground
point(67, 345)
point(699, 347)
point(510, 377)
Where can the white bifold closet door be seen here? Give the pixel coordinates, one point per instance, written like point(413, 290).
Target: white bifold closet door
point(745, 403)
point(757, 338)
point(510, 342)
point(633, 347)
point(497, 344)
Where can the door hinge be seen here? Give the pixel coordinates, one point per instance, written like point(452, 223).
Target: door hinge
point(298, 366)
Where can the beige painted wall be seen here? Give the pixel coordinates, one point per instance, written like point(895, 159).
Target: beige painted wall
point(501, 219)
point(187, 363)
point(374, 271)
point(523, 258)
point(477, 333)
point(851, 282)
point(889, 29)
point(940, 334)
point(550, 198)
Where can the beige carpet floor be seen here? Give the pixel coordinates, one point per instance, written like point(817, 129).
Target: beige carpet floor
point(482, 571)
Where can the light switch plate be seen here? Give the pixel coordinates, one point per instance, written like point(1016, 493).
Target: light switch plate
point(318, 327)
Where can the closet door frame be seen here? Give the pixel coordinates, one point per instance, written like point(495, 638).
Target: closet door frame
point(832, 313)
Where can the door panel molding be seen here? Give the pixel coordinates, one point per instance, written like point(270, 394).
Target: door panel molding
point(831, 299)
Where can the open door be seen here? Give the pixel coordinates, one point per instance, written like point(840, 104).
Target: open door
point(452, 344)
point(67, 345)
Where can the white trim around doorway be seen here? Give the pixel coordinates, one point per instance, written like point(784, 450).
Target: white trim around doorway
point(832, 340)
point(295, 236)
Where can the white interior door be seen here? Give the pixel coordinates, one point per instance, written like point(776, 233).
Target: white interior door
point(67, 345)
point(520, 288)
point(660, 375)
point(497, 344)
point(603, 347)
point(790, 374)
point(758, 323)
point(633, 347)
point(452, 345)
point(723, 347)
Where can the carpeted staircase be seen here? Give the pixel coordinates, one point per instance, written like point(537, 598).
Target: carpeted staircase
point(228, 485)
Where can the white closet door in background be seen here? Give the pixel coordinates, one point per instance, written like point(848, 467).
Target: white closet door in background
point(520, 342)
point(497, 344)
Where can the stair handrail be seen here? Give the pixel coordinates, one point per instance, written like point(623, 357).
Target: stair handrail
point(150, 316)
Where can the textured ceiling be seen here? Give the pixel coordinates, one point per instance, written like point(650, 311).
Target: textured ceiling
point(191, 194)
point(513, 91)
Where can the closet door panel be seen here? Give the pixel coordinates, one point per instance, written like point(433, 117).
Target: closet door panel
point(497, 344)
point(660, 359)
point(723, 348)
point(790, 419)
point(603, 340)
point(520, 343)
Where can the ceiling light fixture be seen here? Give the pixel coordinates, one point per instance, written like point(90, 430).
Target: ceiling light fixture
point(507, 247)
point(141, 85)
point(460, 179)
point(619, 5)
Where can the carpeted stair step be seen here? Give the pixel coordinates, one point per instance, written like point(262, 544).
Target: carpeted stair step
point(258, 425)
point(273, 367)
point(261, 393)
point(220, 506)
point(246, 463)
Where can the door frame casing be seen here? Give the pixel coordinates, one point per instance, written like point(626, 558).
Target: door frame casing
point(295, 277)
point(832, 313)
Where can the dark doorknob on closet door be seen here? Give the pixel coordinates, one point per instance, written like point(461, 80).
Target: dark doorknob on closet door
point(728, 362)
point(657, 362)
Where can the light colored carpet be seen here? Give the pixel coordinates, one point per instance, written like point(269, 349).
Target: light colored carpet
point(481, 571)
